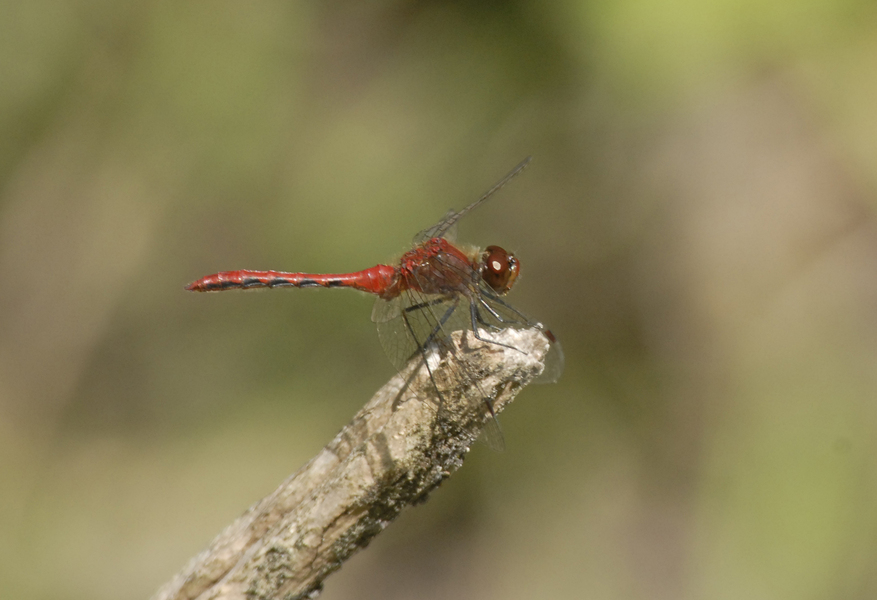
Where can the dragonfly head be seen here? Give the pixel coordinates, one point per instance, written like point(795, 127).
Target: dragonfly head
point(499, 269)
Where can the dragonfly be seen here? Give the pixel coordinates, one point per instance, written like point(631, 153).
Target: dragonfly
point(436, 288)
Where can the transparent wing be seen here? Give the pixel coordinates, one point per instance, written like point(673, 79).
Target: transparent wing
point(410, 323)
point(446, 227)
point(439, 229)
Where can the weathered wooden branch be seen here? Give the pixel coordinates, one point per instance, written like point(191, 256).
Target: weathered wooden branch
point(397, 449)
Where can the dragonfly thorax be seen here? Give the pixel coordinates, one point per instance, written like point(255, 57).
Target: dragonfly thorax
point(438, 267)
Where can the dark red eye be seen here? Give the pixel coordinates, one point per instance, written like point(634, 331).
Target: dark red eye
point(500, 269)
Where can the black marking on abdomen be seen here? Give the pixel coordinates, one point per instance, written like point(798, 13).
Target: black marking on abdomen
point(335, 283)
point(251, 282)
point(280, 283)
point(308, 283)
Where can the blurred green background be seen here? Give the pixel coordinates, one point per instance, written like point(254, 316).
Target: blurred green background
point(696, 227)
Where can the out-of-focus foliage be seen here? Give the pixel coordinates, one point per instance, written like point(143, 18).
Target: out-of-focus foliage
point(697, 226)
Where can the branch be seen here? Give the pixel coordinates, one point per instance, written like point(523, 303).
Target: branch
point(396, 450)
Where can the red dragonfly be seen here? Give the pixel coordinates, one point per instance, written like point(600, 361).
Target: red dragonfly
point(435, 288)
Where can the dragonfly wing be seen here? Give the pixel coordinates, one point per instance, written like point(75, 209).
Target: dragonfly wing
point(440, 229)
point(419, 325)
point(554, 362)
point(433, 320)
point(397, 344)
point(446, 228)
point(412, 322)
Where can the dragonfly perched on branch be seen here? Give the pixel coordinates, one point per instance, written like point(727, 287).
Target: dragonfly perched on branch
point(434, 289)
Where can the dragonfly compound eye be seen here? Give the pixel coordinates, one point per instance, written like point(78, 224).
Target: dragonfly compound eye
point(500, 269)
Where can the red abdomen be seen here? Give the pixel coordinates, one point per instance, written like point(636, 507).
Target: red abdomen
point(376, 280)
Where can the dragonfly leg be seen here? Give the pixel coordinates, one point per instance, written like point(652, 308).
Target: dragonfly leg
point(495, 315)
point(422, 349)
point(423, 305)
point(475, 318)
point(493, 431)
point(430, 339)
point(441, 323)
point(484, 323)
point(524, 319)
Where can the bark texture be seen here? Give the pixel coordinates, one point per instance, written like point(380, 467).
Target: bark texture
point(397, 449)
